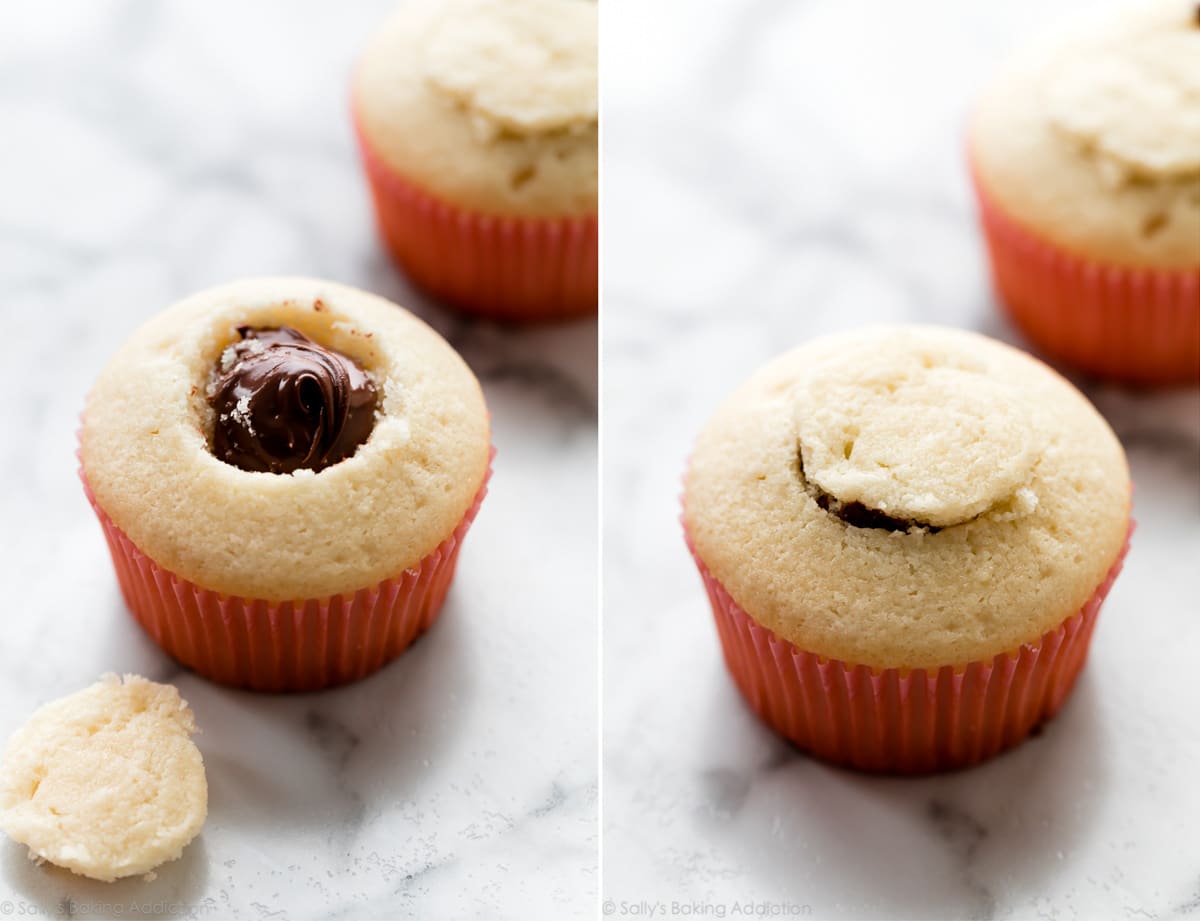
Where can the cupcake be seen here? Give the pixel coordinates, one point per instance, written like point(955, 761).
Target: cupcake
point(1085, 155)
point(906, 534)
point(285, 469)
point(477, 121)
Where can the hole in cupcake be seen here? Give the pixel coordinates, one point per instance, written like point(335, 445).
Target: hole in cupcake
point(522, 177)
point(282, 402)
point(1153, 223)
point(847, 449)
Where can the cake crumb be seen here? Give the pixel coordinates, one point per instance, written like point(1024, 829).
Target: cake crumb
point(241, 414)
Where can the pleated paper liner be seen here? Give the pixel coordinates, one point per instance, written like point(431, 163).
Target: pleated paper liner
point(505, 268)
point(283, 646)
point(901, 721)
point(1135, 325)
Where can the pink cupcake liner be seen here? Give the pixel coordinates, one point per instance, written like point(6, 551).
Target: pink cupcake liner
point(504, 268)
point(302, 645)
point(1136, 325)
point(902, 721)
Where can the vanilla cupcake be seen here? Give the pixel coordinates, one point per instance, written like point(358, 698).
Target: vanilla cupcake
point(906, 534)
point(478, 124)
point(1086, 158)
point(285, 469)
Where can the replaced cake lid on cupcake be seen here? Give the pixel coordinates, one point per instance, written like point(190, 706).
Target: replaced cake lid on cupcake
point(916, 435)
point(523, 66)
point(1131, 92)
point(1090, 138)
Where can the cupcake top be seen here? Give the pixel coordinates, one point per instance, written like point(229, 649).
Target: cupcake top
point(106, 782)
point(285, 438)
point(489, 104)
point(1094, 140)
point(908, 497)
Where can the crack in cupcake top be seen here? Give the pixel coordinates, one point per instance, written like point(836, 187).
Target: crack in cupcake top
point(521, 67)
point(910, 437)
point(1129, 94)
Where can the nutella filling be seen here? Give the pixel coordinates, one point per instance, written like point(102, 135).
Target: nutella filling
point(284, 403)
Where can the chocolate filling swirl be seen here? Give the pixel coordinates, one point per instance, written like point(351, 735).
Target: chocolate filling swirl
point(285, 403)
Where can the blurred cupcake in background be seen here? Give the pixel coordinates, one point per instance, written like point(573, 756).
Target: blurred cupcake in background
point(1085, 154)
point(478, 124)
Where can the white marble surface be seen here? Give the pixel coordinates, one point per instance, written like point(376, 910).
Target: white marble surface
point(152, 149)
point(774, 170)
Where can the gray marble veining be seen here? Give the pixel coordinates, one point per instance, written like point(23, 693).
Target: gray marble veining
point(775, 170)
point(150, 150)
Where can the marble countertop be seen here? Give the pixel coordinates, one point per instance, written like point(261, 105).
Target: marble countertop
point(151, 150)
point(775, 170)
